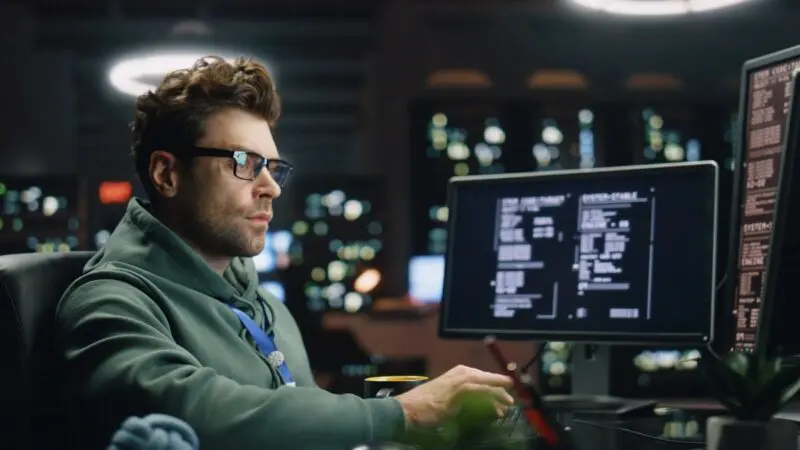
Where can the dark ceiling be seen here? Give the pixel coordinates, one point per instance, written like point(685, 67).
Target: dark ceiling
point(240, 8)
point(325, 54)
point(281, 8)
point(322, 65)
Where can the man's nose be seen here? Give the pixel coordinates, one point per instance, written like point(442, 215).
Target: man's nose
point(267, 186)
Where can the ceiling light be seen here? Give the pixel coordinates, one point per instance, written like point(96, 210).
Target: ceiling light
point(656, 7)
point(134, 76)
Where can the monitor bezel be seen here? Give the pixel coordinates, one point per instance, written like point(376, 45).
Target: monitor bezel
point(728, 316)
point(764, 339)
point(701, 337)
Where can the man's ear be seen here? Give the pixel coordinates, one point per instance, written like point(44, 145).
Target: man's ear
point(164, 173)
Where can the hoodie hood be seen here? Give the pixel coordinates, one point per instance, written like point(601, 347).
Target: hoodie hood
point(142, 241)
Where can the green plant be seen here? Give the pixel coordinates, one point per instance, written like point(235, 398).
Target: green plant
point(751, 387)
point(473, 427)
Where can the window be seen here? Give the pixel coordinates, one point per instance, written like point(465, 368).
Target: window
point(339, 242)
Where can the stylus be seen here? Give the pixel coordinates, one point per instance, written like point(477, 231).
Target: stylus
point(531, 408)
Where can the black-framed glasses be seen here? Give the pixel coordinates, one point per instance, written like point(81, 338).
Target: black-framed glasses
point(246, 165)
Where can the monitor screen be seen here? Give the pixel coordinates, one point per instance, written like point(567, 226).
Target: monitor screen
point(275, 254)
point(778, 337)
point(275, 288)
point(610, 255)
point(426, 278)
point(764, 107)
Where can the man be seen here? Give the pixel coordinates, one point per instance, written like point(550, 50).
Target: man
point(168, 317)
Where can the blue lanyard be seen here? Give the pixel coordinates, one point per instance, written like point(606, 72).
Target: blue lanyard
point(266, 344)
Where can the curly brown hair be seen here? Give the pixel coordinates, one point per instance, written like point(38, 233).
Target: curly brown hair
point(174, 115)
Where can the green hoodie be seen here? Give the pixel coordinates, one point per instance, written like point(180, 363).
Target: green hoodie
point(147, 329)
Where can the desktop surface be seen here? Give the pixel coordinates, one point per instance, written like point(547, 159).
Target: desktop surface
point(608, 255)
point(590, 433)
point(679, 424)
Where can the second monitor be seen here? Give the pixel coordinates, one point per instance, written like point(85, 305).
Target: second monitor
point(618, 255)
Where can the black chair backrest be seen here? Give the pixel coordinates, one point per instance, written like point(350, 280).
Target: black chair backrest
point(30, 287)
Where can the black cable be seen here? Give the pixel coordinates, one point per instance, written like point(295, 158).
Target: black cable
point(713, 353)
point(535, 359)
point(722, 281)
point(639, 433)
point(680, 442)
point(708, 347)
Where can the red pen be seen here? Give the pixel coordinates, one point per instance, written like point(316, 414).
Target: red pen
point(533, 414)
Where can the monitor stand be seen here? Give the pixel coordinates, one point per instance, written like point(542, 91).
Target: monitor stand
point(591, 384)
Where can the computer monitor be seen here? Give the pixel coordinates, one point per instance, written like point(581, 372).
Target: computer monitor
point(426, 278)
point(614, 255)
point(778, 334)
point(763, 108)
point(275, 288)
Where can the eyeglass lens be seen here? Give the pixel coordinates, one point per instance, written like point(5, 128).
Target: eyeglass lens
point(249, 167)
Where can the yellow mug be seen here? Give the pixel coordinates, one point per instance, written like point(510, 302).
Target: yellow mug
point(387, 386)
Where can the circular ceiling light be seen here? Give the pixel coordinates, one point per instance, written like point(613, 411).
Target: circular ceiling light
point(656, 7)
point(135, 76)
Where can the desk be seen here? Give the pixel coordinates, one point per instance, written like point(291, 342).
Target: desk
point(592, 432)
point(649, 433)
point(791, 412)
point(634, 434)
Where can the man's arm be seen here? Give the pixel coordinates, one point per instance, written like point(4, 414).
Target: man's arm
point(118, 346)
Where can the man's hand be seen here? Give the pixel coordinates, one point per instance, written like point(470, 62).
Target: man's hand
point(430, 403)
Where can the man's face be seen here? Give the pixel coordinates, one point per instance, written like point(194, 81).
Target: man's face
point(227, 216)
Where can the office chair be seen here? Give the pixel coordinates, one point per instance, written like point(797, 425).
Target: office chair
point(30, 288)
